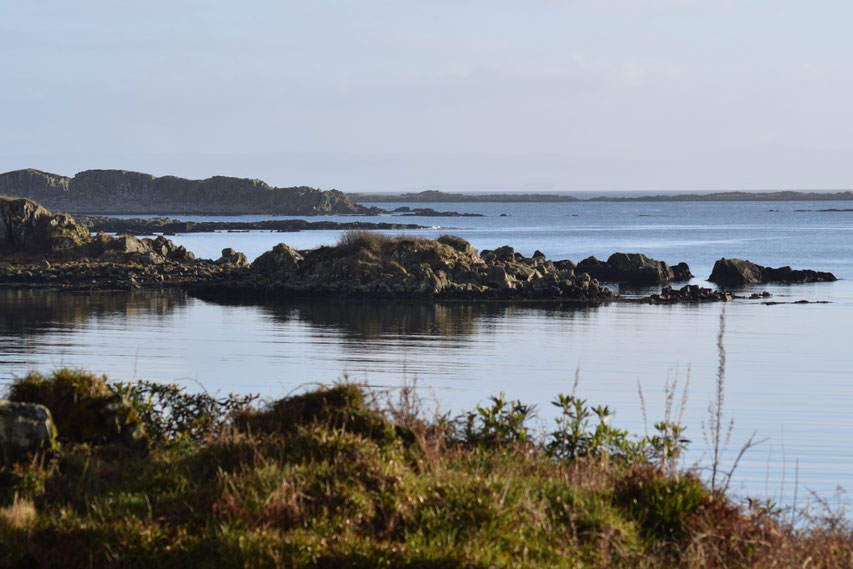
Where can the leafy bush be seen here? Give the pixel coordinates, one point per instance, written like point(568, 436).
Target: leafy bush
point(169, 413)
point(498, 424)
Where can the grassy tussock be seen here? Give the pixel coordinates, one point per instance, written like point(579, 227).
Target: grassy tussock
point(333, 478)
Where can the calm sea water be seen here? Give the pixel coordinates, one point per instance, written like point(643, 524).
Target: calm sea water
point(788, 367)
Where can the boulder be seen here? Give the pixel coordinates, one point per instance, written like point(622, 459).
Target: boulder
point(128, 244)
point(681, 272)
point(83, 407)
point(230, 257)
point(633, 268)
point(25, 428)
point(505, 253)
point(459, 244)
point(280, 259)
point(738, 272)
point(497, 277)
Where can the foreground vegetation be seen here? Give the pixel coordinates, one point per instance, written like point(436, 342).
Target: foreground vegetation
point(345, 477)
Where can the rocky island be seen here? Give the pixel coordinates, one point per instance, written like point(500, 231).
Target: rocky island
point(123, 192)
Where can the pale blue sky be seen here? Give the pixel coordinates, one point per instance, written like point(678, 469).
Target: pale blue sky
point(402, 95)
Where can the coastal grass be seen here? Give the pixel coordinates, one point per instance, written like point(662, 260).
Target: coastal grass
point(341, 476)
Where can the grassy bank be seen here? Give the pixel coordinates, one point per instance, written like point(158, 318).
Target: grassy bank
point(343, 477)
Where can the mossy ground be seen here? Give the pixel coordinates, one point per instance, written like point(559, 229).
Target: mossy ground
point(329, 478)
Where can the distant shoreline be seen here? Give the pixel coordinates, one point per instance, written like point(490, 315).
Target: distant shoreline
point(433, 196)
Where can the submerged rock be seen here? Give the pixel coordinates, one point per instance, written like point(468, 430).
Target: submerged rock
point(689, 293)
point(738, 272)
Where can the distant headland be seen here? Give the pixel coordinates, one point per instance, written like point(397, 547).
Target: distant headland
point(125, 192)
point(434, 196)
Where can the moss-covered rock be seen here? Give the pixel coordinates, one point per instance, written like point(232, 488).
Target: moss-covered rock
point(338, 407)
point(83, 407)
point(25, 428)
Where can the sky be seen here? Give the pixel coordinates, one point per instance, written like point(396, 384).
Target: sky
point(455, 95)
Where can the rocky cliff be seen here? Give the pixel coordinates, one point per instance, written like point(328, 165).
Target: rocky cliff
point(121, 191)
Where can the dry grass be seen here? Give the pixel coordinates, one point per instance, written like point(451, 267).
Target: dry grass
point(20, 516)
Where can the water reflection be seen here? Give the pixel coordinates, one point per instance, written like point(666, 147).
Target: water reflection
point(360, 319)
point(28, 312)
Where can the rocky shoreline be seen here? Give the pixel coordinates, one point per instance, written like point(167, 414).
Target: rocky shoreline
point(40, 249)
point(169, 226)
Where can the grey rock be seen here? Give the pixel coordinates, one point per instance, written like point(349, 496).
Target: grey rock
point(25, 428)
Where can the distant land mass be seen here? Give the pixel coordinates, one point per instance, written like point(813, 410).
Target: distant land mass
point(124, 192)
point(433, 196)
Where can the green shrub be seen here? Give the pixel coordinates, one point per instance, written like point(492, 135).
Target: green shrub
point(342, 407)
point(661, 503)
point(169, 413)
point(498, 424)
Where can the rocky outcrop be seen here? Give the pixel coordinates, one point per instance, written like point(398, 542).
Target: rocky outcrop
point(147, 226)
point(121, 191)
point(27, 227)
point(688, 293)
point(27, 230)
point(737, 272)
point(370, 264)
point(635, 269)
point(38, 248)
point(25, 428)
point(406, 211)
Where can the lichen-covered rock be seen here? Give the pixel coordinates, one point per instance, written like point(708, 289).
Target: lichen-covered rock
point(124, 244)
point(738, 272)
point(459, 244)
point(28, 228)
point(25, 428)
point(232, 258)
point(280, 259)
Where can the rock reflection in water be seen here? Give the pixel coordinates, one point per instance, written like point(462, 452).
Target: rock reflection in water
point(361, 319)
point(28, 312)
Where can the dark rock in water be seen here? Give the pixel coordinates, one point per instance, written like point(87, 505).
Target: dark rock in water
point(689, 293)
point(429, 212)
point(681, 272)
point(737, 272)
point(25, 428)
point(168, 226)
point(633, 268)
